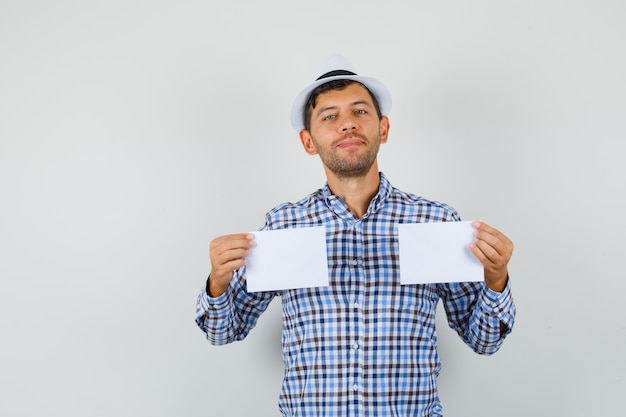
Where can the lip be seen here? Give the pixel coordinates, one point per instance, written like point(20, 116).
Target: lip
point(349, 143)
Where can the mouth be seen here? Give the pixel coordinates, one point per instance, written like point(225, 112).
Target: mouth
point(351, 141)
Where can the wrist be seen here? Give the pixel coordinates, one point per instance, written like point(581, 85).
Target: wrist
point(497, 285)
point(214, 289)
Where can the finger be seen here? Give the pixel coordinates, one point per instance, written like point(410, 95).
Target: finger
point(224, 265)
point(227, 253)
point(483, 228)
point(231, 265)
point(494, 238)
point(481, 225)
point(226, 243)
point(486, 253)
point(234, 240)
point(489, 243)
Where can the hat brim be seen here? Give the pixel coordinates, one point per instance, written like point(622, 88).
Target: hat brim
point(377, 89)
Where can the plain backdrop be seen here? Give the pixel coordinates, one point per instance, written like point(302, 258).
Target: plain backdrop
point(133, 132)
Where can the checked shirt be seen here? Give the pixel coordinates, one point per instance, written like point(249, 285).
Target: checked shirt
point(365, 345)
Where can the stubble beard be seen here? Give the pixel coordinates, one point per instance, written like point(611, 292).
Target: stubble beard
point(355, 165)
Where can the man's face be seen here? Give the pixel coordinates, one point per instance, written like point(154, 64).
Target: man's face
point(345, 131)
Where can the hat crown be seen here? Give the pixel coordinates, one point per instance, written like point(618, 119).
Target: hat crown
point(334, 63)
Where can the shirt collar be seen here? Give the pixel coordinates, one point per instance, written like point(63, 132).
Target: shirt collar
point(340, 208)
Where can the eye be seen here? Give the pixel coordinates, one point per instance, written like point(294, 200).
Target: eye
point(329, 117)
point(360, 111)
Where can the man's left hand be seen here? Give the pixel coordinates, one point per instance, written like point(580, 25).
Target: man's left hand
point(493, 249)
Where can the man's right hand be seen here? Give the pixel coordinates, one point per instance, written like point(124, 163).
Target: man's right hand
point(227, 253)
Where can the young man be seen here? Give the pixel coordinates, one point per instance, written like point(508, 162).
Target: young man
point(365, 345)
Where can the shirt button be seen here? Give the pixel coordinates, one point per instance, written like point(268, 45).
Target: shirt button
point(356, 304)
point(355, 388)
point(355, 346)
point(355, 262)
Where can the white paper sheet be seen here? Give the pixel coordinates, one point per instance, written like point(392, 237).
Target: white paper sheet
point(287, 259)
point(437, 252)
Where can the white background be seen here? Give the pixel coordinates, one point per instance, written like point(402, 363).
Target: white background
point(133, 132)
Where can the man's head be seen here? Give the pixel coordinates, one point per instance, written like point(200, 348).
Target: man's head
point(346, 130)
point(335, 68)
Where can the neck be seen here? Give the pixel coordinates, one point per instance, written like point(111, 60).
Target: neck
point(357, 192)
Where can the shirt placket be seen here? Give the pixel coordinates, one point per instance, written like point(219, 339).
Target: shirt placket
point(356, 311)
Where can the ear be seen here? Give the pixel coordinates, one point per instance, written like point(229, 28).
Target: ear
point(307, 142)
point(383, 129)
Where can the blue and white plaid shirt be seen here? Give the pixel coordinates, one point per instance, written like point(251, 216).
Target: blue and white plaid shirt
point(365, 345)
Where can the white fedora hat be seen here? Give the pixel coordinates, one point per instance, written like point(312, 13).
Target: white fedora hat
point(337, 67)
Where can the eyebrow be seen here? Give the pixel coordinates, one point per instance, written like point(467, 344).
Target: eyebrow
point(354, 103)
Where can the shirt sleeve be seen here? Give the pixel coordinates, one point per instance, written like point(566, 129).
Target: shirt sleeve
point(476, 312)
point(232, 315)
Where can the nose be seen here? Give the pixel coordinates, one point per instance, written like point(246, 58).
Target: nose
point(348, 123)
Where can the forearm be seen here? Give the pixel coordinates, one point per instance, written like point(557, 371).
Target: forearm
point(214, 316)
point(231, 315)
point(491, 321)
point(481, 317)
